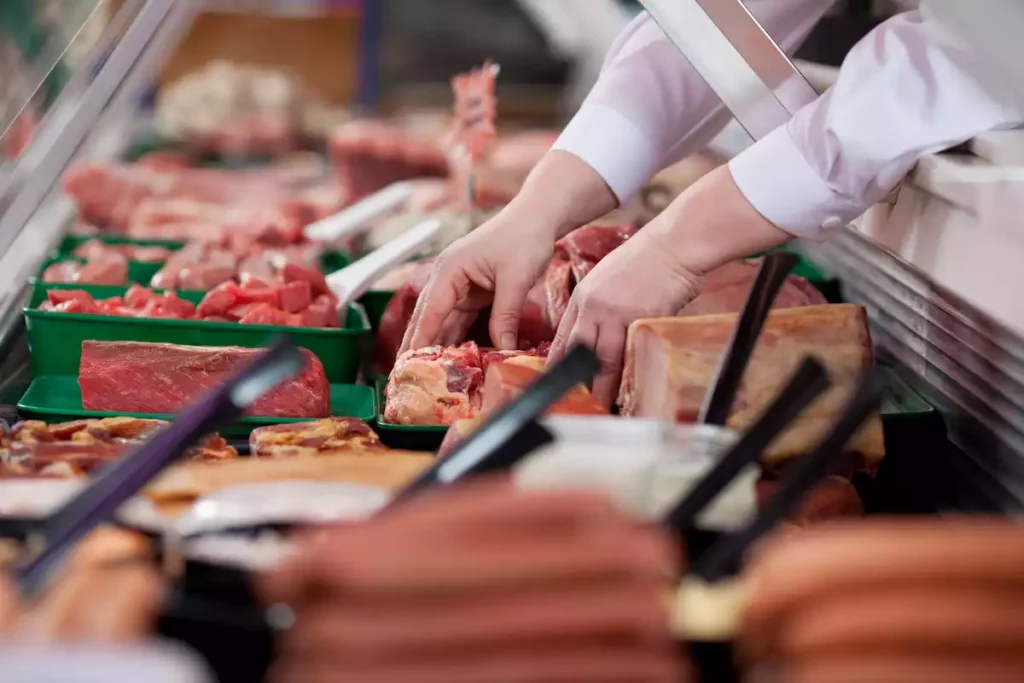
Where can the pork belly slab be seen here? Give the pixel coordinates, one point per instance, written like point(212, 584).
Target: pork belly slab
point(670, 363)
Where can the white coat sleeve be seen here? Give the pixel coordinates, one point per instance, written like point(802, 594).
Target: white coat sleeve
point(910, 88)
point(650, 107)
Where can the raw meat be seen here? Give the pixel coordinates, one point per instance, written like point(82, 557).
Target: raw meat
point(143, 377)
point(137, 302)
point(670, 363)
point(439, 385)
point(319, 437)
point(585, 247)
point(98, 248)
point(102, 269)
point(369, 155)
point(726, 290)
point(834, 498)
point(506, 379)
point(434, 385)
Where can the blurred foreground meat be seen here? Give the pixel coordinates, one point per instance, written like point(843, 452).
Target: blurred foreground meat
point(889, 601)
point(150, 378)
point(506, 586)
point(319, 437)
point(670, 363)
point(100, 269)
point(72, 449)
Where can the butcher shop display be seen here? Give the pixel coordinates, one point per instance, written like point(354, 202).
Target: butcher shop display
point(670, 363)
point(202, 265)
point(319, 437)
point(161, 379)
point(71, 449)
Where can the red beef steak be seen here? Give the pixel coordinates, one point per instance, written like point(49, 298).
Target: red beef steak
point(149, 378)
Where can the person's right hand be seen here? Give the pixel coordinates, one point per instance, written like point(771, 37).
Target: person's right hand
point(498, 263)
point(495, 265)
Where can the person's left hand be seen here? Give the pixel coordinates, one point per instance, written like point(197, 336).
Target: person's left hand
point(640, 279)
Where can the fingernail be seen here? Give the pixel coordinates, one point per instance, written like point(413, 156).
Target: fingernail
point(507, 341)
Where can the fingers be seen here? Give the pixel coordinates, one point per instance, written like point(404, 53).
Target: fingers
point(509, 296)
point(565, 328)
point(611, 343)
point(10, 606)
point(435, 302)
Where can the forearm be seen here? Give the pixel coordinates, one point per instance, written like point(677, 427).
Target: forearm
point(561, 193)
point(711, 224)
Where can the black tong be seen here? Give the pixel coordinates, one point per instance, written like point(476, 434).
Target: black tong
point(123, 479)
point(775, 268)
point(724, 558)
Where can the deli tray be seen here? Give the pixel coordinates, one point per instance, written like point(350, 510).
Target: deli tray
point(57, 398)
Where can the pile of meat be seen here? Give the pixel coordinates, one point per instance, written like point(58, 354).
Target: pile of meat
point(137, 302)
point(161, 379)
point(328, 436)
point(202, 265)
point(293, 304)
point(105, 269)
point(441, 385)
point(296, 303)
point(72, 449)
point(165, 201)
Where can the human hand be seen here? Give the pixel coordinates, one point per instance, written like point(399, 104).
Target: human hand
point(637, 280)
point(495, 265)
point(480, 582)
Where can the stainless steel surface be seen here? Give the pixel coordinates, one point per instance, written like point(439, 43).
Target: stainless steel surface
point(972, 366)
point(737, 58)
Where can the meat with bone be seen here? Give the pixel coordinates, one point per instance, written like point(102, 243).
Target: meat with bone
point(670, 363)
point(151, 378)
point(439, 385)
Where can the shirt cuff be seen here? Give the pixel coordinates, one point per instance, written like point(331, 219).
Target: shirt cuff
point(613, 146)
point(782, 186)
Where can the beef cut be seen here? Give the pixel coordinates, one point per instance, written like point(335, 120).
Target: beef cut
point(318, 437)
point(151, 378)
point(506, 379)
point(101, 269)
point(670, 363)
point(440, 385)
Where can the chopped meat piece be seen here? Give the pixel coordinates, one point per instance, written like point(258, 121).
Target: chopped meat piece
point(319, 437)
point(142, 377)
point(670, 363)
point(295, 297)
point(265, 314)
point(294, 272)
point(507, 379)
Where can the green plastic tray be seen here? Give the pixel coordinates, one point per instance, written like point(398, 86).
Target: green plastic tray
point(406, 437)
point(55, 339)
point(56, 398)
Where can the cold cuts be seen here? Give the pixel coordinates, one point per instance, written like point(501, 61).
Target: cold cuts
point(670, 363)
point(142, 377)
point(319, 437)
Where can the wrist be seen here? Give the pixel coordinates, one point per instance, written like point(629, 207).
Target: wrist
point(712, 224)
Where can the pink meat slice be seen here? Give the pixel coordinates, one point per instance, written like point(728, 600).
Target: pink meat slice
point(585, 247)
point(726, 290)
point(152, 378)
